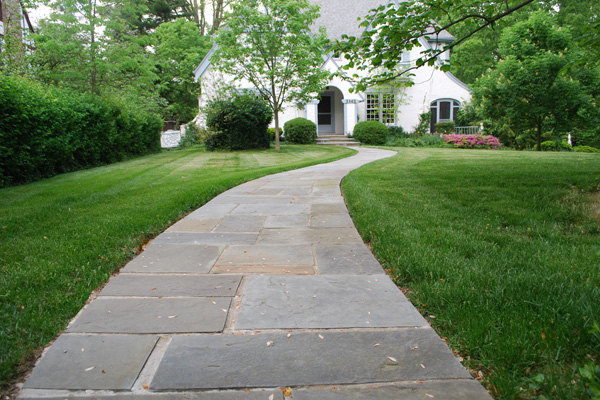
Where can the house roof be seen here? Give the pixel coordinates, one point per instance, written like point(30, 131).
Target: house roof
point(341, 16)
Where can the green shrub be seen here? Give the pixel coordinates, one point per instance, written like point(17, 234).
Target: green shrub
point(445, 128)
point(370, 132)
point(300, 130)
point(423, 127)
point(194, 135)
point(272, 134)
point(238, 122)
point(423, 141)
point(396, 132)
point(549, 145)
point(431, 140)
point(586, 149)
point(45, 131)
point(552, 145)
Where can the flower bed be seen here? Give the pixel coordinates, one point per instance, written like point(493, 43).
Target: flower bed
point(473, 141)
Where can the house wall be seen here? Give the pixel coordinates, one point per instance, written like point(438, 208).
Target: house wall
point(429, 84)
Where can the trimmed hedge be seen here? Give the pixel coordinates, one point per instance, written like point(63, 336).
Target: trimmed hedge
point(300, 130)
point(46, 131)
point(370, 132)
point(239, 122)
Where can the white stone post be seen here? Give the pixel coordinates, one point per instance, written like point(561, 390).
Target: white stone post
point(350, 113)
point(312, 113)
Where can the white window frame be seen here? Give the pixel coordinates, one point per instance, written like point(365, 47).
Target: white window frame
point(383, 116)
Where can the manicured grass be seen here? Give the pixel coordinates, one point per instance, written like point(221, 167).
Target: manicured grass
point(500, 250)
point(62, 238)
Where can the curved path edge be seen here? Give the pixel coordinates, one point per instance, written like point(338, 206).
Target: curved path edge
point(266, 292)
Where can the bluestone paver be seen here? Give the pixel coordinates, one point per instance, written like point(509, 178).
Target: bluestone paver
point(274, 360)
point(266, 286)
point(460, 389)
point(173, 258)
point(346, 259)
point(138, 285)
point(153, 315)
point(334, 301)
point(241, 223)
point(92, 362)
point(206, 238)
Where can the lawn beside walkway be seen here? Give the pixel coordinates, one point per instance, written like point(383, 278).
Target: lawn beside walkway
point(61, 238)
point(500, 250)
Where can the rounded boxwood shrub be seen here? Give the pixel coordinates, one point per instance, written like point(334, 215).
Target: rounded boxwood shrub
point(370, 132)
point(586, 149)
point(445, 128)
point(300, 131)
point(238, 123)
point(272, 134)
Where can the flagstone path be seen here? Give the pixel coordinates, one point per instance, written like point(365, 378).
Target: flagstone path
point(267, 287)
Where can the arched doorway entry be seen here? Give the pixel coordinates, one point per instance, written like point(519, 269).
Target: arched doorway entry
point(330, 112)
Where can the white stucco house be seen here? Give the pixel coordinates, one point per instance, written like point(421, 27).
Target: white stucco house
point(339, 109)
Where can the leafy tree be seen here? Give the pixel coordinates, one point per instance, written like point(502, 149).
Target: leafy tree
point(398, 26)
point(527, 89)
point(268, 43)
point(12, 47)
point(179, 48)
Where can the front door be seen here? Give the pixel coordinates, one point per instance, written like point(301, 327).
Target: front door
point(326, 113)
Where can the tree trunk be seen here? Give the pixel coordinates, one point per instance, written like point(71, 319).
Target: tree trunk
point(14, 47)
point(94, 72)
point(276, 112)
point(539, 136)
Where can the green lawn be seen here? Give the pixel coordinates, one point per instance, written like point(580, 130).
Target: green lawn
point(500, 250)
point(62, 238)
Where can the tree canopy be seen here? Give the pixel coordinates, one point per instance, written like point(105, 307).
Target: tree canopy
point(528, 88)
point(269, 44)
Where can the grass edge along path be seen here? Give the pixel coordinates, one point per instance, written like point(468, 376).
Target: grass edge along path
point(500, 251)
point(63, 237)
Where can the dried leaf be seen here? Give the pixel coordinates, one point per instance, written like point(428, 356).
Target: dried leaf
point(287, 392)
point(146, 387)
point(392, 359)
point(103, 371)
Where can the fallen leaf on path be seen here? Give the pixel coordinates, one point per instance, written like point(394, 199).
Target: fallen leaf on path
point(287, 392)
point(146, 387)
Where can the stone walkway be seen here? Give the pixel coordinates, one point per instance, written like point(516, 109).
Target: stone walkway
point(266, 287)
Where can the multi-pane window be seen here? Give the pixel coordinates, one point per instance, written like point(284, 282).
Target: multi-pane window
point(443, 110)
point(381, 107)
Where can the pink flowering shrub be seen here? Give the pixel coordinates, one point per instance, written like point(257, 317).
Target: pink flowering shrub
point(473, 141)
